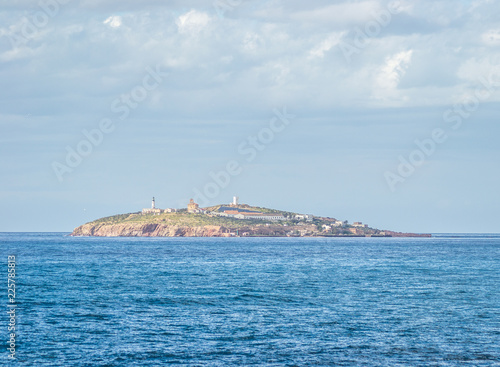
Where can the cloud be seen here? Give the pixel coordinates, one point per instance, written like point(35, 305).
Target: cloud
point(477, 73)
point(326, 45)
point(113, 21)
point(491, 37)
point(252, 43)
point(247, 61)
point(19, 53)
point(192, 22)
point(342, 14)
point(390, 75)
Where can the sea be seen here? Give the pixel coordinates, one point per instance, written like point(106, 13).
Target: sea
point(250, 301)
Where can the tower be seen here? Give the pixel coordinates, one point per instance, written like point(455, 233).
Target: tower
point(235, 200)
point(153, 209)
point(192, 207)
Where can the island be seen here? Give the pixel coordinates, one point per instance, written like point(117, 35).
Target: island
point(227, 220)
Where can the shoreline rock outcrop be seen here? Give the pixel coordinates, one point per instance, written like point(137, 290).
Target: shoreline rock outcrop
point(148, 230)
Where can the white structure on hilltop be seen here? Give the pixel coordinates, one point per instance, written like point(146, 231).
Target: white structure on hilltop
point(359, 224)
point(235, 200)
point(152, 210)
point(306, 217)
point(339, 223)
point(263, 216)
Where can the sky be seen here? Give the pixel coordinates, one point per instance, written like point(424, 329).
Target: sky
point(384, 112)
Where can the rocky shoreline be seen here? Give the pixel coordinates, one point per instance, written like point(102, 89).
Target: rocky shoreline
point(166, 230)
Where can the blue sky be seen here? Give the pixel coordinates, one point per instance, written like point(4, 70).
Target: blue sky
point(394, 103)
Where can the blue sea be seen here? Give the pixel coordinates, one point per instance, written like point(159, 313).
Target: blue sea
point(253, 301)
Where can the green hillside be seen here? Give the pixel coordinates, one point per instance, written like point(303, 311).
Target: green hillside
point(183, 218)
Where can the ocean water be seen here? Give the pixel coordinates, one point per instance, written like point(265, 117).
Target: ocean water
point(253, 301)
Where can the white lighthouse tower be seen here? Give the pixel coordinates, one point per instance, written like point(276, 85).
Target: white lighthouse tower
point(235, 200)
point(153, 203)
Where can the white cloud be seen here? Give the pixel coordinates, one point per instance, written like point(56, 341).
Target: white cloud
point(114, 21)
point(296, 50)
point(491, 38)
point(252, 42)
point(192, 22)
point(326, 45)
point(340, 14)
point(479, 3)
point(19, 53)
point(390, 75)
point(401, 6)
point(474, 71)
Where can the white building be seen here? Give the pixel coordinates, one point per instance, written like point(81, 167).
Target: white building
point(152, 210)
point(339, 223)
point(359, 224)
point(306, 217)
point(222, 214)
point(261, 216)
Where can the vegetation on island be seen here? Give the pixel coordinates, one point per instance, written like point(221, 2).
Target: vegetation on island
point(208, 224)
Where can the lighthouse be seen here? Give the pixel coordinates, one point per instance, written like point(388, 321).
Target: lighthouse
point(153, 209)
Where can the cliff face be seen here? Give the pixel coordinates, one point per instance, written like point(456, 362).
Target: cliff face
point(200, 225)
point(148, 230)
point(166, 230)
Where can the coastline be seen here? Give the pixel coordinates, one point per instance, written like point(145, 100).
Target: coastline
point(228, 220)
point(255, 230)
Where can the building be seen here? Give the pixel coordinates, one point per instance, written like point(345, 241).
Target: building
point(242, 213)
point(359, 224)
point(306, 217)
point(261, 216)
point(170, 210)
point(153, 209)
point(339, 223)
point(235, 201)
point(193, 207)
